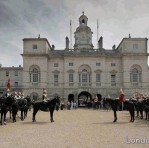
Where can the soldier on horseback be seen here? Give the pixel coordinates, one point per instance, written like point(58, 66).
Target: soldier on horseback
point(44, 95)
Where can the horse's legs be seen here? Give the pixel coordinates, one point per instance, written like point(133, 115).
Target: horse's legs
point(141, 114)
point(13, 117)
point(115, 116)
point(34, 114)
point(25, 112)
point(5, 118)
point(51, 115)
point(2, 118)
point(132, 115)
point(10, 112)
point(137, 112)
point(146, 115)
point(21, 115)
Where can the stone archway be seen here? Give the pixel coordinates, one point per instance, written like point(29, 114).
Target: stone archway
point(83, 97)
point(71, 97)
point(34, 96)
point(99, 96)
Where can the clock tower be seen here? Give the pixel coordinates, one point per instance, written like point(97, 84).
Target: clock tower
point(83, 35)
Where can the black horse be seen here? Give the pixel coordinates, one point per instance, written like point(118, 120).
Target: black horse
point(49, 105)
point(27, 106)
point(139, 105)
point(7, 104)
point(146, 108)
point(23, 107)
point(142, 105)
point(130, 106)
point(114, 103)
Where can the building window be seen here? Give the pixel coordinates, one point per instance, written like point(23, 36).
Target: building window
point(7, 73)
point(70, 79)
point(113, 80)
point(70, 64)
point(97, 64)
point(15, 84)
point(34, 46)
point(98, 80)
point(135, 77)
point(55, 79)
point(16, 72)
point(84, 78)
point(34, 75)
point(113, 64)
point(55, 64)
point(135, 46)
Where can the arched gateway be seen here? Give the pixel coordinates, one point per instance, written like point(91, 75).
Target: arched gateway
point(71, 97)
point(83, 97)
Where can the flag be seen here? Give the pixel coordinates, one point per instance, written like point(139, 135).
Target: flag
point(8, 85)
point(121, 95)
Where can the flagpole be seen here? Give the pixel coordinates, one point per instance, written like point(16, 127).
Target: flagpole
point(70, 34)
point(97, 31)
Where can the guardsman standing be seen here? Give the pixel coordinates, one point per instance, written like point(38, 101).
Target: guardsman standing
point(96, 102)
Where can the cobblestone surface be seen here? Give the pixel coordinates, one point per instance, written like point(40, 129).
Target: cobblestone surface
point(81, 128)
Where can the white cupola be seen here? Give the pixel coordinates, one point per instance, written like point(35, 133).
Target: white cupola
point(83, 35)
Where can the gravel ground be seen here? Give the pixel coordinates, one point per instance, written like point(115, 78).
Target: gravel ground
point(81, 128)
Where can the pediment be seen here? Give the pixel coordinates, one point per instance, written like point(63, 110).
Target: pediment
point(70, 71)
point(98, 71)
point(55, 71)
point(113, 71)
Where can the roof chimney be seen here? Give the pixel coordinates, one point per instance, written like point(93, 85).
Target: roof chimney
point(100, 43)
point(67, 42)
point(53, 47)
point(39, 36)
point(114, 47)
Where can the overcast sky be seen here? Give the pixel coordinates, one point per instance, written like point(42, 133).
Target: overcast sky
point(51, 19)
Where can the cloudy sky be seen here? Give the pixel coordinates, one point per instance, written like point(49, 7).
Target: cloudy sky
point(51, 19)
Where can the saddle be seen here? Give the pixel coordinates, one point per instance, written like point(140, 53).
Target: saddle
point(44, 107)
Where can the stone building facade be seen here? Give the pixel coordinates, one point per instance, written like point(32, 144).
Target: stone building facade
point(15, 74)
point(84, 71)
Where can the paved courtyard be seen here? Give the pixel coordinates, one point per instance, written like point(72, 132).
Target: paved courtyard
point(81, 128)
